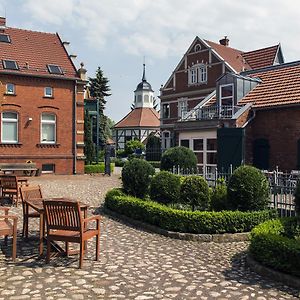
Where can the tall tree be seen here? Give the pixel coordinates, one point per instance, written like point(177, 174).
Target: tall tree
point(99, 89)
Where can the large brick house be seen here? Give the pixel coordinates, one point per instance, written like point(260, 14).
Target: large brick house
point(202, 93)
point(41, 95)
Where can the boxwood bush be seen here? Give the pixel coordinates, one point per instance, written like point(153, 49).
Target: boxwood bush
point(165, 187)
point(248, 189)
point(97, 168)
point(136, 175)
point(273, 245)
point(181, 157)
point(186, 221)
point(194, 191)
point(219, 196)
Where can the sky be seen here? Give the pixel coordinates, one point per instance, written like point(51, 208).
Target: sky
point(117, 34)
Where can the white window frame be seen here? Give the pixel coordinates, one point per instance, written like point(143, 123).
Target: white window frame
point(49, 122)
point(197, 74)
point(7, 90)
point(163, 110)
point(15, 121)
point(182, 107)
point(226, 97)
point(45, 92)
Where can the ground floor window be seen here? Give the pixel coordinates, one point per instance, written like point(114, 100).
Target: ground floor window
point(48, 168)
point(9, 127)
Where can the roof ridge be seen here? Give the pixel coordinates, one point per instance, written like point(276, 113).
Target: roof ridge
point(227, 47)
point(29, 30)
point(260, 49)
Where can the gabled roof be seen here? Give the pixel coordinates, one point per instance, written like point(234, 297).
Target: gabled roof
point(140, 117)
point(262, 57)
point(33, 51)
point(280, 86)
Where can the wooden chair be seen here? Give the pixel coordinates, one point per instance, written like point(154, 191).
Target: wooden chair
point(65, 223)
point(8, 228)
point(9, 185)
point(29, 192)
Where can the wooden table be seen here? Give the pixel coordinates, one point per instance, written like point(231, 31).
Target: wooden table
point(37, 205)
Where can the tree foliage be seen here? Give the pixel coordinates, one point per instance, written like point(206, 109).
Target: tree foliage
point(133, 145)
point(89, 146)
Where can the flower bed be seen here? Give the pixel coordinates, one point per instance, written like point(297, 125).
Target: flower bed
point(276, 244)
point(200, 222)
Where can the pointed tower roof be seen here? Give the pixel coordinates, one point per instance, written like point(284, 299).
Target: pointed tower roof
point(144, 85)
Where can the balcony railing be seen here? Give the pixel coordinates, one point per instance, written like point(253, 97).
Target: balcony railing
point(210, 112)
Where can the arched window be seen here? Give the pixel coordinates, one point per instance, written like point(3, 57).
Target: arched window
point(261, 153)
point(48, 128)
point(139, 98)
point(146, 98)
point(9, 126)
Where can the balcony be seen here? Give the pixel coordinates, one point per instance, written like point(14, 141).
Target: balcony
point(210, 113)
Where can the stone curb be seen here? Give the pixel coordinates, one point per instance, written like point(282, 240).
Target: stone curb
point(217, 238)
point(272, 274)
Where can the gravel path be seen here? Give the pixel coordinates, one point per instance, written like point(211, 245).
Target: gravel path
point(134, 264)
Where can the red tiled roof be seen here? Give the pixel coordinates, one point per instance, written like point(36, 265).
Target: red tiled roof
point(280, 86)
point(232, 56)
point(36, 49)
point(262, 57)
point(140, 117)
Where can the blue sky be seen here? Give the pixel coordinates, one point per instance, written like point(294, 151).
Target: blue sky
point(117, 34)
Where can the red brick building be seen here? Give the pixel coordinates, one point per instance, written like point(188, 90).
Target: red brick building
point(41, 95)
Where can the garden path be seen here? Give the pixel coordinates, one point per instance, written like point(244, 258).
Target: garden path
point(134, 264)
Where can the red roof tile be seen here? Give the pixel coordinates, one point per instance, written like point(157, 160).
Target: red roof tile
point(35, 50)
point(262, 57)
point(280, 86)
point(140, 117)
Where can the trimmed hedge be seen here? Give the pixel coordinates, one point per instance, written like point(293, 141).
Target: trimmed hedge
point(154, 164)
point(185, 221)
point(272, 245)
point(99, 168)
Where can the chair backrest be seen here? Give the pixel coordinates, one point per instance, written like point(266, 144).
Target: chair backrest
point(9, 182)
point(30, 192)
point(62, 215)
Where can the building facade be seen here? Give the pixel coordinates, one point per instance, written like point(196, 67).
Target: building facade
point(41, 95)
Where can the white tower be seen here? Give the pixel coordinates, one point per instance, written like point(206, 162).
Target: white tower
point(143, 95)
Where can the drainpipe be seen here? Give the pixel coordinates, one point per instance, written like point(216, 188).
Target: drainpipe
point(74, 129)
point(252, 117)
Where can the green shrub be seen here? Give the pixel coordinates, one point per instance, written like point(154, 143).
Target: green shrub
point(97, 168)
point(119, 162)
point(136, 175)
point(297, 199)
point(219, 196)
point(154, 164)
point(271, 246)
point(133, 145)
point(194, 191)
point(248, 189)
point(186, 221)
point(121, 153)
point(181, 157)
point(165, 187)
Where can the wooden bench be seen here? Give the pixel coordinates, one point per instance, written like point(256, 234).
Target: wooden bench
point(24, 169)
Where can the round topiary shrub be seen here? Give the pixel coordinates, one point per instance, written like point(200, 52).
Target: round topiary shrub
point(219, 196)
point(165, 187)
point(181, 157)
point(136, 175)
point(248, 189)
point(297, 198)
point(195, 192)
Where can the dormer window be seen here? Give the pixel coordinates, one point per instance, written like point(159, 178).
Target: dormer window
point(48, 92)
point(54, 69)
point(197, 74)
point(226, 101)
point(10, 65)
point(4, 38)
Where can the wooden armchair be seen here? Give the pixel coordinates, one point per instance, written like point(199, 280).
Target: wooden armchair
point(27, 193)
point(64, 222)
point(8, 228)
point(9, 185)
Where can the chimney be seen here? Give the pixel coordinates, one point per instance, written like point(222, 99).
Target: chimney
point(2, 22)
point(224, 42)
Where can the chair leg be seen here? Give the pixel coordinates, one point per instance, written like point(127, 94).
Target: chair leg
point(48, 251)
point(5, 240)
point(81, 254)
point(67, 248)
point(97, 246)
point(14, 243)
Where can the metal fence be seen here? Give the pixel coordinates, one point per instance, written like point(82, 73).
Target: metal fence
point(282, 185)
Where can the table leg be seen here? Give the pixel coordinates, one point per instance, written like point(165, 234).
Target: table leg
point(42, 233)
point(85, 225)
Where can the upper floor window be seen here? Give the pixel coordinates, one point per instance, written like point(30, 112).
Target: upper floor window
point(48, 128)
point(9, 125)
point(198, 74)
point(166, 111)
point(10, 89)
point(48, 91)
point(226, 95)
point(182, 108)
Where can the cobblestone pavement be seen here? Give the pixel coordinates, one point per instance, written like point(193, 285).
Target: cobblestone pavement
point(134, 264)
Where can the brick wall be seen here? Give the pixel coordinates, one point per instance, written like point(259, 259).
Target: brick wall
point(281, 127)
point(29, 102)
